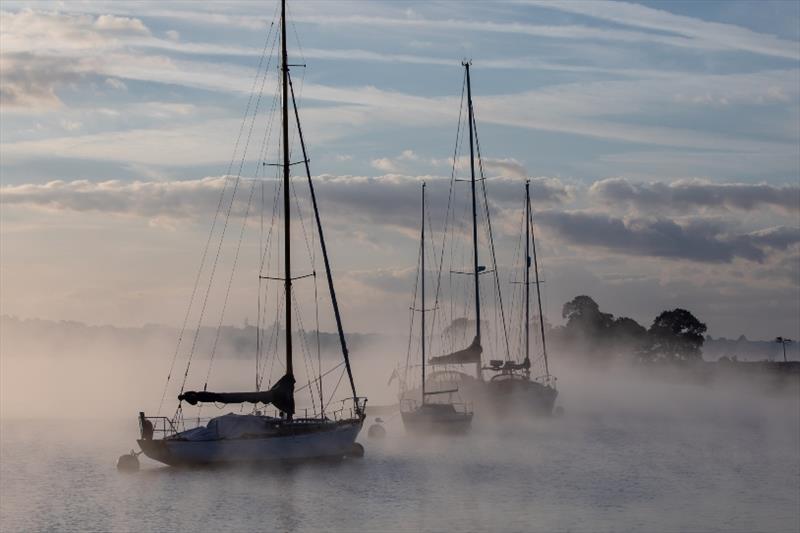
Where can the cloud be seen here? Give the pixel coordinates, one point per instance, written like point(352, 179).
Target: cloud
point(703, 34)
point(120, 24)
point(384, 201)
point(30, 82)
point(174, 199)
point(116, 84)
point(384, 164)
point(32, 30)
point(687, 195)
point(505, 167)
point(725, 40)
point(44, 50)
point(705, 240)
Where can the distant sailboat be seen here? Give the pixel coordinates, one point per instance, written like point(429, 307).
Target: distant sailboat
point(255, 437)
point(511, 386)
point(431, 415)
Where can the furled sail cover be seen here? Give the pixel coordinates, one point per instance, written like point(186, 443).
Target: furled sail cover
point(281, 395)
point(471, 354)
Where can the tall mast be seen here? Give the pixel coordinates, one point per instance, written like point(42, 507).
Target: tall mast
point(323, 246)
point(286, 194)
point(422, 275)
point(478, 370)
point(527, 270)
point(529, 225)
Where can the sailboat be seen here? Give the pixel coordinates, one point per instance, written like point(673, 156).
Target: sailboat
point(510, 386)
point(255, 436)
point(431, 415)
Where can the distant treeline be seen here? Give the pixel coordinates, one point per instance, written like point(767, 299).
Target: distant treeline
point(53, 338)
point(674, 336)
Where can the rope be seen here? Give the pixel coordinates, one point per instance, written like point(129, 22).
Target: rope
point(448, 213)
point(491, 237)
point(230, 282)
point(216, 217)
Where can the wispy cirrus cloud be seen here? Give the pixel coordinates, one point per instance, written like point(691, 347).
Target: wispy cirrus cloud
point(699, 33)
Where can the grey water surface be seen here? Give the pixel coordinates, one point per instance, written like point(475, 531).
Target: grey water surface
point(613, 465)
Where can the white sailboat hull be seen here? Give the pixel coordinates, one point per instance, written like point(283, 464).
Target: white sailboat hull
point(335, 441)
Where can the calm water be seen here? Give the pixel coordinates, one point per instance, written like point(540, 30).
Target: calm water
point(660, 463)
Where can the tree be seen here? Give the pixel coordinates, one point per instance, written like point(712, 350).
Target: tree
point(584, 317)
point(677, 335)
point(630, 336)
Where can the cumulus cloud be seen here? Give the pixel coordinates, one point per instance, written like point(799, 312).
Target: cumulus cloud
point(707, 240)
point(505, 167)
point(384, 164)
point(44, 50)
point(56, 33)
point(30, 82)
point(686, 195)
point(388, 201)
point(174, 199)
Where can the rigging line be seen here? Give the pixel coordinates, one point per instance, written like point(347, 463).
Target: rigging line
point(230, 281)
point(216, 216)
point(262, 156)
point(514, 289)
point(517, 293)
point(275, 335)
point(538, 291)
point(225, 225)
point(433, 254)
point(264, 255)
point(322, 376)
point(276, 194)
point(302, 224)
point(304, 348)
point(447, 212)
point(316, 322)
point(491, 236)
point(319, 351)
point(227, 219)
point(336, 388)
point(328, 274)
point(296, 36)
point(410, 330)
point(413, 315)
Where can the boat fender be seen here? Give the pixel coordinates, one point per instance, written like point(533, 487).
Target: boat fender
point(356, 451)
point(376, 431)
point(128, 462)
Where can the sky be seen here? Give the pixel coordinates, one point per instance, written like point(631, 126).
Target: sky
point(661, 139)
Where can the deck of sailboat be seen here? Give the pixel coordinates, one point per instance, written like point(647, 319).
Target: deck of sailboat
point(434, 418)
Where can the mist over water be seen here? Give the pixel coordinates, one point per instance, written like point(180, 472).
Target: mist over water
point(631, 453)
